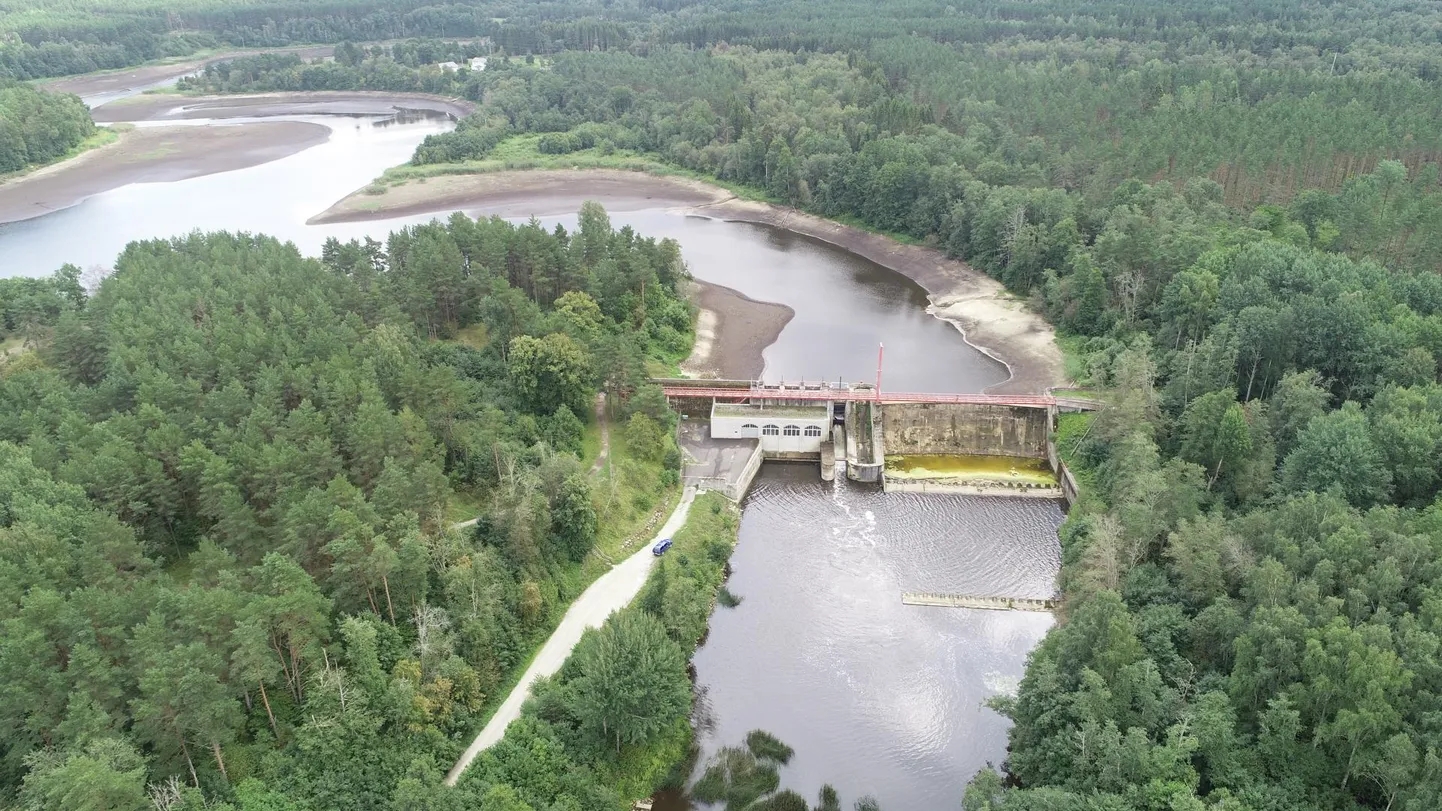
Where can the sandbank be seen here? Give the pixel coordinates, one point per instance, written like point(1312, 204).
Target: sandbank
point(990, 318)
point(169, 107)
point(537, 193)
point(732, 332)
point(154, 155)
point(108, 84)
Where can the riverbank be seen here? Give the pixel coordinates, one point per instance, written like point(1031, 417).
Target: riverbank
point(166, 107)
point(125, 80)
point(732, 332)
point(991, 319)
point(153, 155)
point(522, 193)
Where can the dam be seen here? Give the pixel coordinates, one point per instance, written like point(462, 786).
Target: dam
point(730, 427)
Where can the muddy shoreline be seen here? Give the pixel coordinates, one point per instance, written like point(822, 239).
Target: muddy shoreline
point(159, 154)
point(989, 318)
point(538, 193)
point(732, 332)
point(91, 85)
point(169, 107)
point(153, 155)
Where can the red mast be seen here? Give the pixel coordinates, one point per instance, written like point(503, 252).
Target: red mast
point(880, 352)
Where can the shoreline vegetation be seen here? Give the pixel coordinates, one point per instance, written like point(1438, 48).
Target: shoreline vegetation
point(991, 319)
point(102, 137)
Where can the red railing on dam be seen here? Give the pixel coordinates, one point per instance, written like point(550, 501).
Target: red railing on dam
point(848, 393)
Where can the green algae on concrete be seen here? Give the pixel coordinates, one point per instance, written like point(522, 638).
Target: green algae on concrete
point(978, 469)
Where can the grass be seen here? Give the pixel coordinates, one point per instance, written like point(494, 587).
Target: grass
point(590, 444)
point(104, 136)
point(463, 505)
point(627, 494)
point(1074, 357)
point(475, 336)
point(1071, 429)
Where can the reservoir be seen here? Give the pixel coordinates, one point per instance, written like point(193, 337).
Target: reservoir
point(876, 697)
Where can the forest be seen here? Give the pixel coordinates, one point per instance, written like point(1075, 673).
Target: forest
point(1239, 239)
point(227, 491)
point(404, 67)
point(229, 573)
point(37, 128)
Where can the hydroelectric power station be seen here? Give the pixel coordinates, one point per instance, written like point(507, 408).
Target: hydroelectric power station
point(960, 443)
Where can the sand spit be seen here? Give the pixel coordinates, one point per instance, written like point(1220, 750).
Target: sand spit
point(110, 83)
point(154, 155)
point(168, 107)
point(991, 319)
point(523, 194)
point(732, 332)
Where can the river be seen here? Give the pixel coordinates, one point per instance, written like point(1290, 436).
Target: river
point(876, 697)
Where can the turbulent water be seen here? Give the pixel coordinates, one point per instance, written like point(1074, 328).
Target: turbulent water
point(876, 697)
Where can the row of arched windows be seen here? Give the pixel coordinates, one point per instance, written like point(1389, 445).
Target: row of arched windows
point(790, 430)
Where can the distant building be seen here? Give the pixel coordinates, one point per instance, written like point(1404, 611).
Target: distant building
point(449, 67)
point(478, 63)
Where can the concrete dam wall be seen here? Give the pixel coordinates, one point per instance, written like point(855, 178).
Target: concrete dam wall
point(964, 429)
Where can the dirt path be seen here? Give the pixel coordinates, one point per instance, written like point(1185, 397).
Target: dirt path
point(611, 592)
point(605, 433)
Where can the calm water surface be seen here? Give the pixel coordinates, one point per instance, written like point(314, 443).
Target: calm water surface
point(876, 697)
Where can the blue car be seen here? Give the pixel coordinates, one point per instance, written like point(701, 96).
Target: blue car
point(661, 547)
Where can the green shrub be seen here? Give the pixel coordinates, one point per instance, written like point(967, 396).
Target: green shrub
point(766, 746)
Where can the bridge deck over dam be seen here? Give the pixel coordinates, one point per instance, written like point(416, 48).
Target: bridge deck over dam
point(841, 392)
point(731, 425)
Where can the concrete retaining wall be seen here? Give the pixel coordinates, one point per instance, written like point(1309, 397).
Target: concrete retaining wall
point(865, 447)
point(974, 430)
point(1069, 490)
point(737, 490)
point(968, 488)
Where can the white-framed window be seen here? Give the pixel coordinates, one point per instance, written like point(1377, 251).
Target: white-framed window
point(813, 430)
point(791, 430)
point(750, 426)
point(770, 430)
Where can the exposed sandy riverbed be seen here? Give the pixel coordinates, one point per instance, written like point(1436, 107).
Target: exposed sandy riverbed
point(992, 320)
point(169, 107)
point(119, 81)
point(163, 154)
point(732, 331)
point(522, 194)
point(154, 155)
